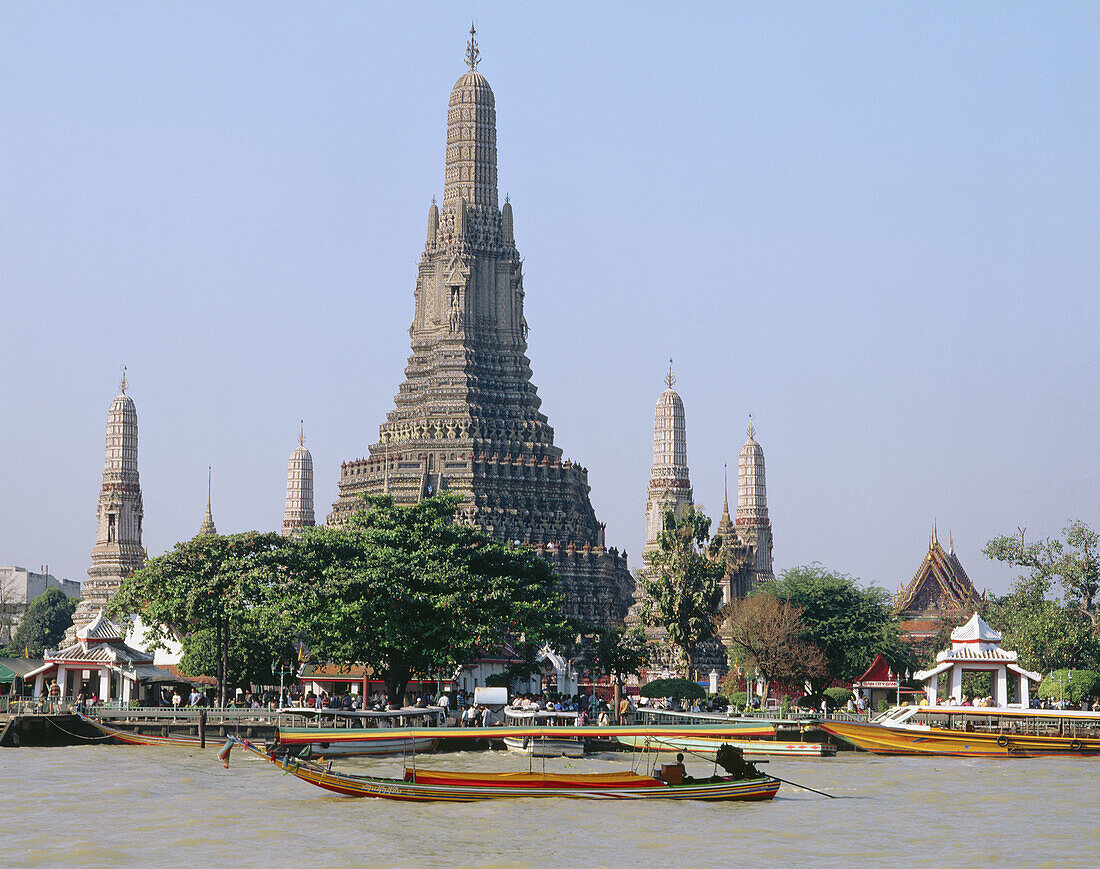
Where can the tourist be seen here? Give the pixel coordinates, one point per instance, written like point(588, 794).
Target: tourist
point(624, 709)
point(176, 699)
point(582, 718)
point(604, 719)
point(851, 707)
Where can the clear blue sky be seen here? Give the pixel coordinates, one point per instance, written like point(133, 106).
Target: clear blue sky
point(873, 226)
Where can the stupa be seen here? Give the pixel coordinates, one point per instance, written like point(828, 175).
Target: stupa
point(467, 417)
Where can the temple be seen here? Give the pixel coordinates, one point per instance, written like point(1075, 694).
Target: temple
point(747, 542)
point(669, 482)
point(118, 551)
point(99, 663)
point(207, 529)
point(467, 416)
point(940, 591)
point(299, 489)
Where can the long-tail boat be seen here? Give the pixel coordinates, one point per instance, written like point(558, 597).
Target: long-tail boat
point(744, 781)
point(332, 742)
point(973, 731)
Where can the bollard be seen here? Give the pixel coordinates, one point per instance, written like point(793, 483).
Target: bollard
point(202, 728)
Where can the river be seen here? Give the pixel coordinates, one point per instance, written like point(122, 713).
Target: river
point(150, 806)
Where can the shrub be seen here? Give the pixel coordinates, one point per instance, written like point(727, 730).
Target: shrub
point(680, 689)
point(739, 698)
point(837, 697)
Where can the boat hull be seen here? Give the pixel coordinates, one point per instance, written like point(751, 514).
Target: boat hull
point(750, 748)
point(535, 747)
point(880, 739)
point(472, 787)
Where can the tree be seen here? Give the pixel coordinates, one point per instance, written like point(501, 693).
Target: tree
point(682, 585)
point(614, 652)
point(215, 586)
point(1075, 563)
point(1045, 634)
point(1071, 686)
point(849, 624)
point(766, 635)
point(44, 623)
point(252, 657)
point(407, 590)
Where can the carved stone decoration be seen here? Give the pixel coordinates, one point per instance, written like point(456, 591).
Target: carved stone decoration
point(468, 390)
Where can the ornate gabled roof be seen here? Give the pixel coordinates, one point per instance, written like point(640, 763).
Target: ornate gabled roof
point(940, 584)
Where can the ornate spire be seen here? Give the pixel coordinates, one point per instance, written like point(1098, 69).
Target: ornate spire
point(118, 551)
point(299, 488)
point(725, 490)
point(472, 54)
point(669, 481)
point(207, 528)
point(471, 166)
point(752, 429)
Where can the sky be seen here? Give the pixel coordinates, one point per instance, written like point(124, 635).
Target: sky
point(872, 226)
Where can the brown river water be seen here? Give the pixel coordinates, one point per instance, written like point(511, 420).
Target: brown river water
point(151, 806)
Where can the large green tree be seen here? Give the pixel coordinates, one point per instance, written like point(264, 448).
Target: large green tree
point(1074, 563)
point(848, 623)
point(210, 592)
point(407, 591)
point(683, 582)
point(44, 623)
point(1045, 634)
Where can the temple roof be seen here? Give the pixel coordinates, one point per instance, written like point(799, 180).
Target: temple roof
point(940, 584)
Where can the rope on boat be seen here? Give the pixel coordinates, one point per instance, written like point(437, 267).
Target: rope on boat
point(77, 735)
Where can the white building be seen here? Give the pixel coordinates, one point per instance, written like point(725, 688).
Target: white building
point(18, 587)
point(976, 647)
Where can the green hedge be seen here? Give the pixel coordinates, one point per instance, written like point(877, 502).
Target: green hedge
point(681, 689)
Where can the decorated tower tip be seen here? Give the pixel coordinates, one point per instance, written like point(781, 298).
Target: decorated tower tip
point(752, 428)
point(122, 383)
point(472, 54)
point(302, 434)
point(670, 379)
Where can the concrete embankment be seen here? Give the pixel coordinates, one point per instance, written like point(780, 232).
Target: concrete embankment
point(47, 730)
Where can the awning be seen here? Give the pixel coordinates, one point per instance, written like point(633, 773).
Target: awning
point(7, 676)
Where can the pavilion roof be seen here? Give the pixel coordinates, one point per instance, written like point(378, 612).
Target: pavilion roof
point(976, 631)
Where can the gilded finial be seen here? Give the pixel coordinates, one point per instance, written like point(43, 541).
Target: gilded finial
point(122, 383)
point(302, 434)
point(752, 428)
point(472, 54)
point(725, 489)
point(670, 379)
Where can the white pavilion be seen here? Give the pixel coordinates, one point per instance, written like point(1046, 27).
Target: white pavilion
point(976, 647)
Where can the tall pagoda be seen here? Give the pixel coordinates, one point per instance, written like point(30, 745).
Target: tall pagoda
point(118, 551)
point(467, 416)
point(939, 591)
